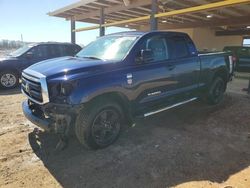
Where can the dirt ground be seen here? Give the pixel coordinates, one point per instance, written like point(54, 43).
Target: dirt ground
point(191, 146)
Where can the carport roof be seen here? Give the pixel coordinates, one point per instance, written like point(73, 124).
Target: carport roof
point(117, 10)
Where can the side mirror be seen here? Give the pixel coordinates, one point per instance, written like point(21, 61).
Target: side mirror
point(146, 55)
point(29, 55)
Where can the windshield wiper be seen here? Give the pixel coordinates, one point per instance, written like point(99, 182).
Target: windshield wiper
point(91, 57)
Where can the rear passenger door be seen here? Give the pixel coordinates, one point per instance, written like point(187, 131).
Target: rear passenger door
point(186, 66)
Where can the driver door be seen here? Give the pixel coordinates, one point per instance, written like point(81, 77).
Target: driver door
point(154, 81)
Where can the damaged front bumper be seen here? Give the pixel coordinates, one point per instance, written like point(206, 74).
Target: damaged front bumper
point(53, 117)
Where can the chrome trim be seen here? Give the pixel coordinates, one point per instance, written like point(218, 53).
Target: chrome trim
point(169, 107)
point(212, 53)
point(40, 78)
point(154, 93)
point(230, 64)
point(33, 73)
point(33, 100)
point(30, 78)
point(45, 92)
point(129, 76)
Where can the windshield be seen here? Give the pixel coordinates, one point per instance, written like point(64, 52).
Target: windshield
point(108, 48)
point(20, 51)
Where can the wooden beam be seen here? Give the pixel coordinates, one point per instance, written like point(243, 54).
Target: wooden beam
point(115, 1)
point(117, 8)
point(176, 18)
point(244, 20)
point(135, 12)
point(211, 6)
point(118, 15)
point(69, 7)
point(127, 14)
point(100, 4)
point(206, 7)
point(225, 12)
point(232, 32)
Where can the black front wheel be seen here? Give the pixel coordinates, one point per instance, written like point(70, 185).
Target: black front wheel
point(99, 125)
point(216, 91)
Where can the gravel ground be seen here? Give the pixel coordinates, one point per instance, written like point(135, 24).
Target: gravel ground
point(191, 146)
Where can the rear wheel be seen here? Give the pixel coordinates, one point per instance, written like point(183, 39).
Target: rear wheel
point(216, 91)
point(99, 125)
point(8, 80)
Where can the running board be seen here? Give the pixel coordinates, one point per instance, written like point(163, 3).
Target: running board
point(169, 107)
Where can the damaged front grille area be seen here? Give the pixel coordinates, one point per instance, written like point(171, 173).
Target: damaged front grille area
point(34, 86)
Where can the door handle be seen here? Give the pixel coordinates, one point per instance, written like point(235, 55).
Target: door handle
point(171, 67)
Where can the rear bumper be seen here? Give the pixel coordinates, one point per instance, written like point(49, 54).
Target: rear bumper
point(39, 120)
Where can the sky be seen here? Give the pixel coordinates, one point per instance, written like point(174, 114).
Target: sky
point(29, 18)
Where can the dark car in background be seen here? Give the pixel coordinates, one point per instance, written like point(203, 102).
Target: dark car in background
point(241, 56)
point(12, 65)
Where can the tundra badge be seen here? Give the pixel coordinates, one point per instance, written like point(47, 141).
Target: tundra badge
point(129, 78)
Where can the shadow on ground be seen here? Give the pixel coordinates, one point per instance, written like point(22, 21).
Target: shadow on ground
point(191, 143)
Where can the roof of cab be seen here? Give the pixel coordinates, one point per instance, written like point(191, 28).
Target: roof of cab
point(140, 33)
point(39, 43)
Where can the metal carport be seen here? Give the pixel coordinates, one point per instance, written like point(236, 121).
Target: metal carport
point(226, 17)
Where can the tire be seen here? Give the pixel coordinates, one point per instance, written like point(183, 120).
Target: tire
point(216, 91)
point(91, 122)
point(8, 79)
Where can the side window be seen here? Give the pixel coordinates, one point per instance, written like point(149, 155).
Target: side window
point(158, 46)
point(62, 50)
point(58, 50)
point(179, 47)
point(54, 51)
point(40, 51)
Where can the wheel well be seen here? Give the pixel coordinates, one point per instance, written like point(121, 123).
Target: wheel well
point(222, 74)
point(120, 98)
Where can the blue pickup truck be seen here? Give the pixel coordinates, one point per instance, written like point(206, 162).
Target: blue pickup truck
point(119, 77)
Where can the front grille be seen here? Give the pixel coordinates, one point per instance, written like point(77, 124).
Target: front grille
point(31, 86)
point(34, 86)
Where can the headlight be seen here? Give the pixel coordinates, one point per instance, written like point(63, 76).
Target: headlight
point(66, 88)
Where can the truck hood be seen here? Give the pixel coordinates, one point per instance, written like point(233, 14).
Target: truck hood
point(54, 68)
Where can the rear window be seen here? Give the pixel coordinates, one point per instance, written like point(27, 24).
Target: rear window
point(40, 51)
point(179, 47)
